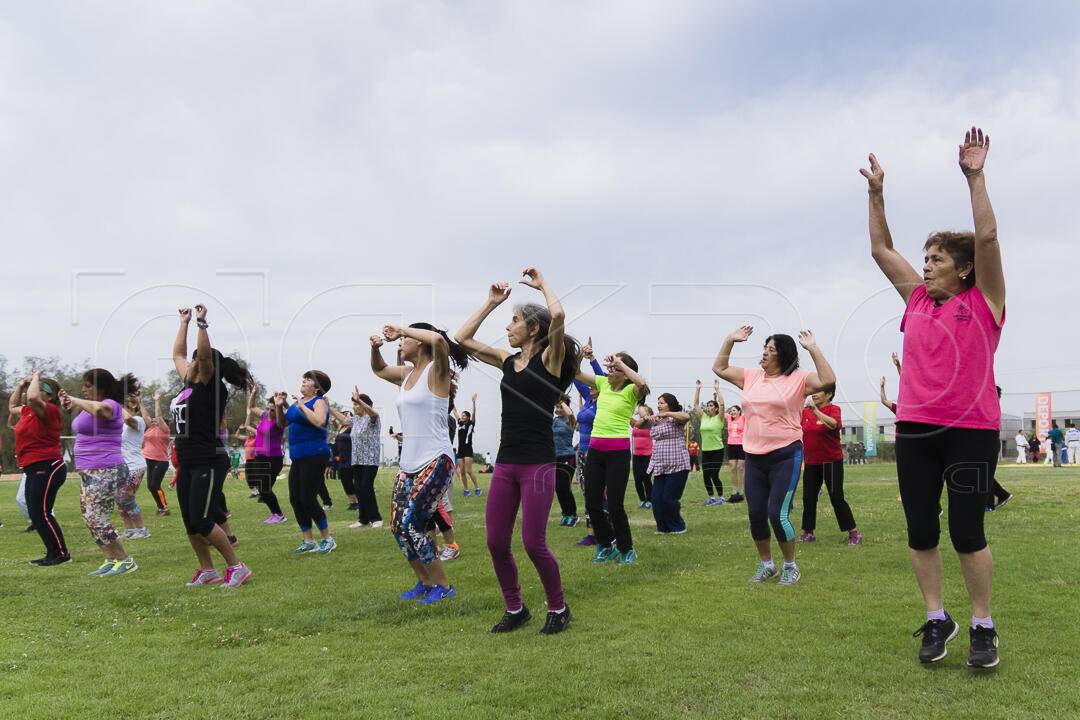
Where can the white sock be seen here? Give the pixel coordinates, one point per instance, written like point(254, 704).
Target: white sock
point(789, 563)
point(769, 564)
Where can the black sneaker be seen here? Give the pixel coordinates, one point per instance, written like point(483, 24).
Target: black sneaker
point(735, 498)
point(983, 653)
point(40, 561)
point(57, 560)
point(557, 622)
point(512, 621)
point(30, 528)
point(935, 633)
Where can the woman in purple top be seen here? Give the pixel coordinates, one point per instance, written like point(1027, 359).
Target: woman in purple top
point(948, 414)
point(98, 428)
point(264, 468)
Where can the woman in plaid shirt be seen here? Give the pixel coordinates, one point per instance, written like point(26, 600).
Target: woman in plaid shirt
point(670, 464)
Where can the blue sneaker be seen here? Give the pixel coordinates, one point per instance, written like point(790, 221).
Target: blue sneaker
point(326, 545)
point(419, 591)
point(437, 593)
point(648, 505)
point(720, 501)
point(121, 567)
point(628, 557)
point(477, 492)
point(710, 501)
point(305, 547)
point(465, 493)
point(604, 553)
point(587, 540)
point(105, 567)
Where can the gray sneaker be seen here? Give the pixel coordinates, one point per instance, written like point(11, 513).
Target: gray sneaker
point(763, 573)
point(789, 575)
point(305, 547)
point(326, 545)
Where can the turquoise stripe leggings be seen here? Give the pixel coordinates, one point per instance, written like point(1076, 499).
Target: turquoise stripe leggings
point(770, 481)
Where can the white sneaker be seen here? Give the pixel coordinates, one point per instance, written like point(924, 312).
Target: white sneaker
point(139, 533)
point(357, 524)
point(377, 524)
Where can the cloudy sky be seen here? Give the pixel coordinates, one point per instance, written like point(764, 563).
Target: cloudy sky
point(313, 170)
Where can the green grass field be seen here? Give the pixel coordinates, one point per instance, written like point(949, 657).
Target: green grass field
point(679, 634)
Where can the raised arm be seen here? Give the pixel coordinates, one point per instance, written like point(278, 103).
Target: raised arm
point(158, 420)
point(440, 352)
point(641, 388)
point(721, 366)
point(555, 351)
point(824, 378)
point(279, 408)
point(696, 409)
point(497, 294)
point(719, 398)
point(896, 362)
point(204, 359)
point(884, 398)
point(179, 348)
point(395, 374)
point(15, 403)
point(989, 276)
point(99, 409)
point(130, 419)
point(362, 407)
point(339, 416)
point(585, 380)
point(899, 271)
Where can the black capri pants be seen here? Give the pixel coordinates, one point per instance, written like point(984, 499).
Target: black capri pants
point(306, 478)
point(711, 462)
point(964, 461)
point(155, 473)
point(198, 486)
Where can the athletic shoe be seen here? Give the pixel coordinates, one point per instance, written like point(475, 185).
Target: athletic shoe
point(205, 577)
point(587, 540)
point(139, 533)
point(678, 532)
point(437, 593)
point(353, 507)
point(627, 558)
point(710, 501)
point(121, 567)
point(450, 553)
point(557, 621)
point(235, 576)
point(720, 501)
point(228, 515)
point(763, 573)
point(662, 532)
point(563, 520)
point(988, 508)
point(648, 505)
point(806, 537)
point(377, 524)
point(736, 498)
point(465, 493)
point(572, 521)
point(30, 528)
point(55, 560)
point(1007, 499)
point(254, 494)
point(39, 561)
point(305, 547)
point(419, 591)
point(274, 519)
point(935, 633)
point(641, 505)
point(854, 538)
point(984, 643)
point(105, 567)
point(326, 546)
point(328, 507)
point(790, 575)
point(477, 492)
point(357, 524)
point(512, 621)
point(127, 534)
point(162, 512)
point(603, 554)
point(233, 541)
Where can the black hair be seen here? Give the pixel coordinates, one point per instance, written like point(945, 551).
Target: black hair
point(564, 399)
point(672, 402)
point(830, 390)
point(228, 369)
point(116, 389)
point(787, 352)
point(458, 354)
point(538, 316)
point(321, 380)
point(631, 363)
point(365, 397)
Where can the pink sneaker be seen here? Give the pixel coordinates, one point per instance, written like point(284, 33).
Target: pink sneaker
point(205, 577)
point(235, 576)
point(274, 520)
point(854, 538)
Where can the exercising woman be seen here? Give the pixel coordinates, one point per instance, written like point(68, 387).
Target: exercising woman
point(98, 458)
point(533, 378)
point(307, 419)
point(36, 404)
point(641, 450)
point(201, 459)
point(773, 397)
point(669, 463)
point(712, 441)
point(562, 429)
point(824, 464)
point(948, 415)
point(136, 421)
point(263, 469)
point(427, 455)
point(735, 425)
point(156, 452)
point(466, 424)
point(366, 454)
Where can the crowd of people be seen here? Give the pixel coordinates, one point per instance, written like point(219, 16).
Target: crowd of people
point(785, 427)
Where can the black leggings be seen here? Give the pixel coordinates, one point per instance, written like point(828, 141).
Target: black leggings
point(155, 473)
point(961, 459)
point(262, 473)
point(564, 474)
point(711, 462)
point(607, 472)
point(305, 480)
point(198, 486)
point(364, 479)
point(832, 474)
point(642, 477)
point(43, 479)
point(348, 482)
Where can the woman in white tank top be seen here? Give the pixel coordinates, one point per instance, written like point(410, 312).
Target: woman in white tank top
point(426, 465)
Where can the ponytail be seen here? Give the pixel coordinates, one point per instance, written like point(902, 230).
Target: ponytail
point(231, 371)
point(459, 356)
point(116, 389)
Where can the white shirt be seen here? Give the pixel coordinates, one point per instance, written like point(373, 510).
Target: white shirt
point(131, 442)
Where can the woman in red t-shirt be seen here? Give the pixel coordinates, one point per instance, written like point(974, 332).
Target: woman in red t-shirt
point(824, 460)
point(37, 449)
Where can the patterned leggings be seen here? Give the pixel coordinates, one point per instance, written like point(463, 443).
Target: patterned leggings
point(125, 496)
point(415, 499)
point(100, 487)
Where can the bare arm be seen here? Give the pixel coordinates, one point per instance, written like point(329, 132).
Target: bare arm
point(318, 415)
point(179, 349)
point(826, 420)
point(989, 275)
point(395, 374)
point(497, 293)
point(439, 376)
point(884, 398)
point(34, 397)
point(99, 409)
point(679, 417)
point(719, 398)
point(204, 359)
point(362, 407)
point(15, 403)
point(696, 409)
point(555, 352)
point(641, 388)
point(898, 270)
point(824, 378)
point(158, 420)
point(341, 417)
point(732, 373)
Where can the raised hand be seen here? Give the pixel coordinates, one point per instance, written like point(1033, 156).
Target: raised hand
point(697, 384)
point(586, 350)
point(498, 292)
point(376, 341)
point(474, 397)
point(185, 315)
point(875, 176)
point(65, 400)
point(200, 312)
point(741, 334)
point(356, 395)
point(533, 278)
point(157, 395)
point(716, 386)
point(806, 339)
point(896, 360)
point(973, 151)
point(882, 382)
point(614, 363)
point(392, 332)
point(296, 399)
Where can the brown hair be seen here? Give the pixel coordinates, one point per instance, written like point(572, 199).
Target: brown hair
point(960, 246)
point(321, 380)
point(55, 389)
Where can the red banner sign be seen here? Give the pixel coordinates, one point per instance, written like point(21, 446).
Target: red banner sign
point(1043, 414)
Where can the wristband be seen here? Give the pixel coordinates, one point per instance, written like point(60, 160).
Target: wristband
point(202, 324)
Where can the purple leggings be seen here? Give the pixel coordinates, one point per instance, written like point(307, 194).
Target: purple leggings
point(533, 488)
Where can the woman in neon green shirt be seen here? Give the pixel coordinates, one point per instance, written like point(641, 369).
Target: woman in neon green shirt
point(712, 441)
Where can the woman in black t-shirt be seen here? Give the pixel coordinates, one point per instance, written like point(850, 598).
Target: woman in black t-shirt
point(466, 423)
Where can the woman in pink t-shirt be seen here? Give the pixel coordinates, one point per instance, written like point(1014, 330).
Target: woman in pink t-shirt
point(948, 415)
point(772, 402)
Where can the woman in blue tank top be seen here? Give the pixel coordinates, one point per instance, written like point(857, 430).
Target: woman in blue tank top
point(306, 419)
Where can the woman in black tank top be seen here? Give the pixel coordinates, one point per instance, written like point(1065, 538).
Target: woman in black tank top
point(524, 476)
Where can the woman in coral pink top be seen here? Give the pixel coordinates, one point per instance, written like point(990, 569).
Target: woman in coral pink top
point(948, 416)
point(772, 404)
